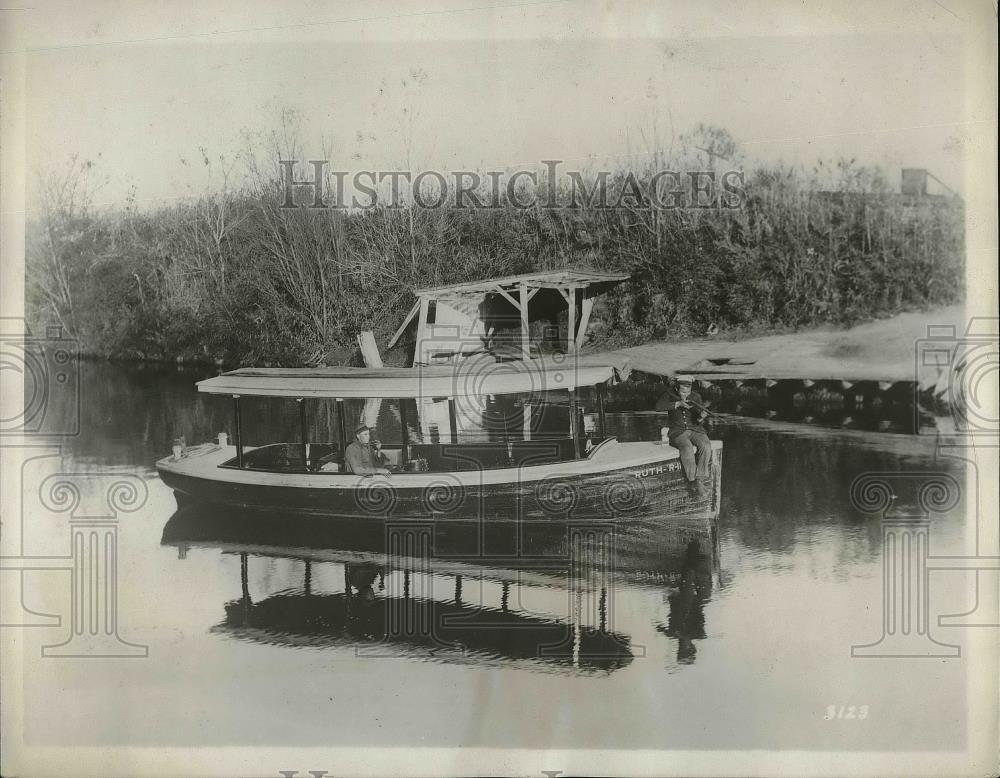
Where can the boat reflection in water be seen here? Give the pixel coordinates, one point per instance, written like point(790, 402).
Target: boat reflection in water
point(540, 597)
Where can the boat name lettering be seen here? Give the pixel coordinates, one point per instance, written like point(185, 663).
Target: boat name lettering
point(673, 467)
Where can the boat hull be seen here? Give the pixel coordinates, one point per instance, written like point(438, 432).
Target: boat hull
point(624, 480)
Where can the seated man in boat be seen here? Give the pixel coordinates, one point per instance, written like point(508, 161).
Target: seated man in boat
point(685, 414)
point(361, 457)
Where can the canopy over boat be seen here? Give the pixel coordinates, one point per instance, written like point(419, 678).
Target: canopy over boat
point(468, 379)
point(581, 278)
point(468, 316)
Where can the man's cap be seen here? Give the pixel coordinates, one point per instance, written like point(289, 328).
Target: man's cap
point(685, 379)
point(361, 428)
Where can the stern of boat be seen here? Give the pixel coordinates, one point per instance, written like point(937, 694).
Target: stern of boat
point(656, 465)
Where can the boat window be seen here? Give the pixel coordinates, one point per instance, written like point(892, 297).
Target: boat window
point(268, 420)
point(424, 434)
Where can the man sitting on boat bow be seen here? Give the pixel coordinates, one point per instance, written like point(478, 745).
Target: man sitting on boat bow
point(685, 414)
point(361, 457)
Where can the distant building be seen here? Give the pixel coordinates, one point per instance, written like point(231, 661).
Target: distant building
point(914, 182)
point(920, 191)
point(918, 182)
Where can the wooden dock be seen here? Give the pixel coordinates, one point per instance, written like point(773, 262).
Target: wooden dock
point(885, 351)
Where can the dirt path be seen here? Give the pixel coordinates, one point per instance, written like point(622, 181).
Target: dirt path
point(878, 351)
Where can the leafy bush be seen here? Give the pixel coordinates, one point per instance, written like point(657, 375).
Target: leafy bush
point(234, 276)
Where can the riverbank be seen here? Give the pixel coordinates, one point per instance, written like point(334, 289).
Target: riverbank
point(238, 278)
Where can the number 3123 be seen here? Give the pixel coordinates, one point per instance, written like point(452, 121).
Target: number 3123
point(846, 712)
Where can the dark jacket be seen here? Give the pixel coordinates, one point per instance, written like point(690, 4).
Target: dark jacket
point(680, 419)
point(361, 458)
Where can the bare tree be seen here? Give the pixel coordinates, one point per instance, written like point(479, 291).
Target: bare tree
point(61, 240)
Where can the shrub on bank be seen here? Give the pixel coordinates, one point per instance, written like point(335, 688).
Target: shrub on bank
point(234, 276)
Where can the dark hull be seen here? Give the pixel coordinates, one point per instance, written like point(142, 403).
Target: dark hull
point(656, 491)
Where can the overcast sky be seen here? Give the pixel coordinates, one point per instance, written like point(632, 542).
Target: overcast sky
point(144, 86)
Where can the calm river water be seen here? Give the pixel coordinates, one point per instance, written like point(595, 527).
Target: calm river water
point(686, 636)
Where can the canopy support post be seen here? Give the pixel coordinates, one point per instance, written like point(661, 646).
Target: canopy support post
point(581, 330)
point(303, 434)
point(405, 432)
point(602, 421)
point(342, 429)
point(238, 430)
point(453, 419)
point(525, 343)
point(571, 321)
point(574, 427)
point(418, 352)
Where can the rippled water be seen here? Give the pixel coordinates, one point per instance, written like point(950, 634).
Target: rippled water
point(661, 634)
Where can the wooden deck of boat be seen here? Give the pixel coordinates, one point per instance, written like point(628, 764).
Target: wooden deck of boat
point(881, 351)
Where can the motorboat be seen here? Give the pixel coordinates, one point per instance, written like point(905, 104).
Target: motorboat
point(482, 426)
point(477, 440)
